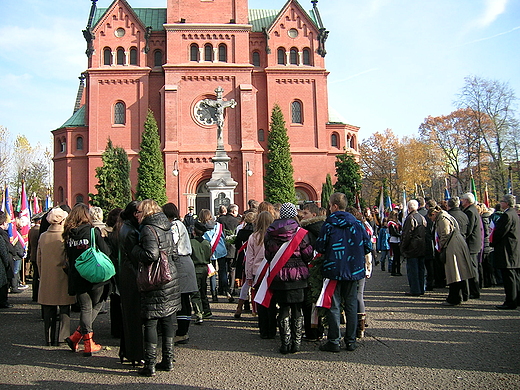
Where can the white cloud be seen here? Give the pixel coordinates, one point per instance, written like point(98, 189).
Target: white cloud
point(494, 8)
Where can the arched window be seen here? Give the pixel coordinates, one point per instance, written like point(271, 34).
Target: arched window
point(63, 145)
point(261, 135)
point(157, 58)
point(79, 143)
point(296, 112)
point(293, 57)
point(80, 199)
point(256, 58)
point(119, 113)
point(133, 56)
point(222, 53)
point(306, 57)
point(208, 52)
point(281, 56)
point(120, 56)
point(194, 52)
point(352, 142)
point(334, 140)
point(61, 198)
point(107, 56)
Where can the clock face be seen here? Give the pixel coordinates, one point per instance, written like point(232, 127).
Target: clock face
point(204, 114)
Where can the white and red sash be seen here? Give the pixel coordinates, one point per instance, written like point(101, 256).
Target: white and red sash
point(216, 237)
point(268, 271)
point(327, 291)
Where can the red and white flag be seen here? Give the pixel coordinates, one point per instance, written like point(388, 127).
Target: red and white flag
point(327, 291)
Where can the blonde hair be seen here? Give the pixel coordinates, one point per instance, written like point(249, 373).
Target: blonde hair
point(205, 216)
point(96, 213)
point(250, 217)
point(149, 207)
point(263, 221)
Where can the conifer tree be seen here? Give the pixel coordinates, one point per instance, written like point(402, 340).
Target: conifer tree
point(113, 188)
point(348, 175)
point(151, 183)
point(279, 180)
point(326, 191)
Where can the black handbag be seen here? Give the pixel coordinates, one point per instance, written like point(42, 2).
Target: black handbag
point(156, 274)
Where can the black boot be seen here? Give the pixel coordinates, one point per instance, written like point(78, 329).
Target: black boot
point(150, 352)
point(166, 363)
point(285, 335)
point(296, 333)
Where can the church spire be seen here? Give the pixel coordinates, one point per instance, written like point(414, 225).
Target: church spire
point(79, 96)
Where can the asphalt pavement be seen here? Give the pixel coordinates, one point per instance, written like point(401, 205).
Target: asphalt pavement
point(410, 343)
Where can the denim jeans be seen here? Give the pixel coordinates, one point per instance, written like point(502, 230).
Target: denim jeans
point(90, 305)
point(346, 290)
point(415, 273)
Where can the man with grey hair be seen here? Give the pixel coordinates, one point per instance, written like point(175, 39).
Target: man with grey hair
point(507, 251)
point(413, 248)
point(473, 239)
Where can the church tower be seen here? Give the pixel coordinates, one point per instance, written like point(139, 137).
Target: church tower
point(169, 60)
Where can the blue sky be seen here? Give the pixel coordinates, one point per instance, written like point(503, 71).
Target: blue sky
point(392, 62)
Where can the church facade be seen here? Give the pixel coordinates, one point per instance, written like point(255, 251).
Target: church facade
point(171, 59)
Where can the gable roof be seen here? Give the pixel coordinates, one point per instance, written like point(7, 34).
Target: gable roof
point(156, 17)
point(76, 120)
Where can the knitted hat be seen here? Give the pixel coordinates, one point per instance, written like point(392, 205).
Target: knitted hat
point(56, 216)
point(288, 210)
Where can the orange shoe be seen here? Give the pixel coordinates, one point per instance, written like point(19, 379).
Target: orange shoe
point(90, 345)
point(73, 340)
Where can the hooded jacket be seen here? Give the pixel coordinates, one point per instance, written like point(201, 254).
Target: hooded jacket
point(77, 243)
point(213, 228)
point(344, 243)
point(166, 300)
point(295, 272)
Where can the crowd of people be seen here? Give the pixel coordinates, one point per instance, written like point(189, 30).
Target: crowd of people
point(301, 272)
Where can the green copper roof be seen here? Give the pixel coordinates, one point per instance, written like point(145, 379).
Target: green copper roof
point(151, 17)
point(76, 120)
point(156, 17)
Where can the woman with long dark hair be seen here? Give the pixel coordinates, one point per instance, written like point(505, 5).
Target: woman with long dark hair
point(157, 306)
point(90, 296)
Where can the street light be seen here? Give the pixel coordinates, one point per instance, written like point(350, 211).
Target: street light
point(249, 173)
point(175, 173)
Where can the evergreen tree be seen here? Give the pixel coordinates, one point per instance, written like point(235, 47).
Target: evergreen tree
point(113, 188)
point(348, 174)
point(279, 181)
point(151, 183)
point(326, 191)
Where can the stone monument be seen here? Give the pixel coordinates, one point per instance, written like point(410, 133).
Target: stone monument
point(221, 185)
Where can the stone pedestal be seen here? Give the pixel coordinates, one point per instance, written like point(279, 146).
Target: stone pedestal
point(221, 186)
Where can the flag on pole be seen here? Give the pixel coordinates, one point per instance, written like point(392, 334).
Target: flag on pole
point(388, 203)
point(473, 188)
point(35, 205)
point(446, 192)
point(381, 206)
point(48, 203)
point(358, 203)
point(7, 208)
point(24, 216)
point(405, 206)
point(486, 196)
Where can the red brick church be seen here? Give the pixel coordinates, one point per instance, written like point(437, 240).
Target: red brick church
point(168, 60)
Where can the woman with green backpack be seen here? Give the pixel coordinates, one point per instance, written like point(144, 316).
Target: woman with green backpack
point(77, 235)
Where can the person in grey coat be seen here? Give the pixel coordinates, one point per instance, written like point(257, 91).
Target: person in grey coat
point(504, 239)
point(157, 306)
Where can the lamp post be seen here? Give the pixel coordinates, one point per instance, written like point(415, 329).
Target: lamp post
point(175, 173)
point(249, 173)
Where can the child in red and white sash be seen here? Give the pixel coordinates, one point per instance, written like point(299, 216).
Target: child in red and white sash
point(288, 250)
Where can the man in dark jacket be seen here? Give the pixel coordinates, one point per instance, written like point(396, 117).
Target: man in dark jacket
point(412, 247)
point(4, 264)
point(344, 242)
point(226, 274)
point(461, 218)
point(507, 252)
point(473, 239)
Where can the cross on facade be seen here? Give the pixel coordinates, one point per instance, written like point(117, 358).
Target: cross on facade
point(220, 105)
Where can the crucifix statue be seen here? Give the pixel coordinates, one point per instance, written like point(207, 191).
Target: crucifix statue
point(219, 105)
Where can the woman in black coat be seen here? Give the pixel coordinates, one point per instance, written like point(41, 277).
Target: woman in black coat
point(126, 235)
point(90, 296)
point(157, 306)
